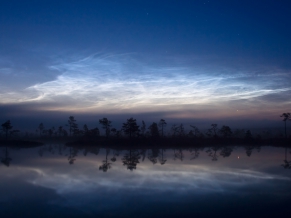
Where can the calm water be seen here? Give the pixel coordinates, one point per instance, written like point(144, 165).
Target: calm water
point(55, 180)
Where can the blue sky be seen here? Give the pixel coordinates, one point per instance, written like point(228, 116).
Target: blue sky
point(178, 59)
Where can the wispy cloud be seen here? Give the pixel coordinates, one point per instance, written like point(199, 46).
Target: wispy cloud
point(127, 81)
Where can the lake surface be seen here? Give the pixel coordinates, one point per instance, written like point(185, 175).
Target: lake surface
point(60, 181)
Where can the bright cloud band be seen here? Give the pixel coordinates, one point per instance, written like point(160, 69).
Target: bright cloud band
point(120, 82)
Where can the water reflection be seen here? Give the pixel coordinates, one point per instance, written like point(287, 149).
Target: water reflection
point(195, 152)
point(131, 159)
point(6, 159)
point(187, 178)
point(226, 151)
point(249, 149)
point(216, 151)
point(105, 163)
point(286, 164)
point(178, 154)
point(153, 155)
point(52, 149)
point(213, 152)
point(73, 152)
point(162, 158)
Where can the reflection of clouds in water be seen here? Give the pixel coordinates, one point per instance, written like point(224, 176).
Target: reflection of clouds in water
point(123, 82)
point(85, 187)
point(196, 178)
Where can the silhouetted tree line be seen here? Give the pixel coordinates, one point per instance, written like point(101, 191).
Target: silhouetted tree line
point(7, 129)
point(155, 132)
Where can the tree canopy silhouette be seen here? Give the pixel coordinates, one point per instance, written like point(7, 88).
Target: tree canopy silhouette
point(162, 123)
point(194, 132)
point(286, 116)
point(154, 131)
point(106, 125)
point(212, 132)
point(143, 128)
point(225, 131)
point(40, 129)
point(73, 126)
point(130, 128)
point(6, 127)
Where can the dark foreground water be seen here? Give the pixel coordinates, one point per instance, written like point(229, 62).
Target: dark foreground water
point(59, 181)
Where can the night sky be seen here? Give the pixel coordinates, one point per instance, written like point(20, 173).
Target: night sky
point(193, 61)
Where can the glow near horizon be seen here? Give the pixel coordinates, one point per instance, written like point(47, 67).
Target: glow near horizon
point(122, 82)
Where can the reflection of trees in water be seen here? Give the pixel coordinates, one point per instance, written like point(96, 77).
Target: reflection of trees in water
point(133, 156)
point(162, 159)
point(115, 154)
point(105, 164)
point(157, 155)
point(70, 152)
point(143, 152)
point(153, 155)
point(6, 159)
point(131, 159)
point(195, 152)
point(52, 149)
point(249, 149)
point(73, 152)
point(213, 152)
point(61, 149)
point(93, 150)
point(178, 154)
point(286, 164)
point(226, 151)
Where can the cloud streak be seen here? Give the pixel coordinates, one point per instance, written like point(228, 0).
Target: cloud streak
point(132, 82)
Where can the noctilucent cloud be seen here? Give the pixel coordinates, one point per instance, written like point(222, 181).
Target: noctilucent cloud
point(183, 59)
